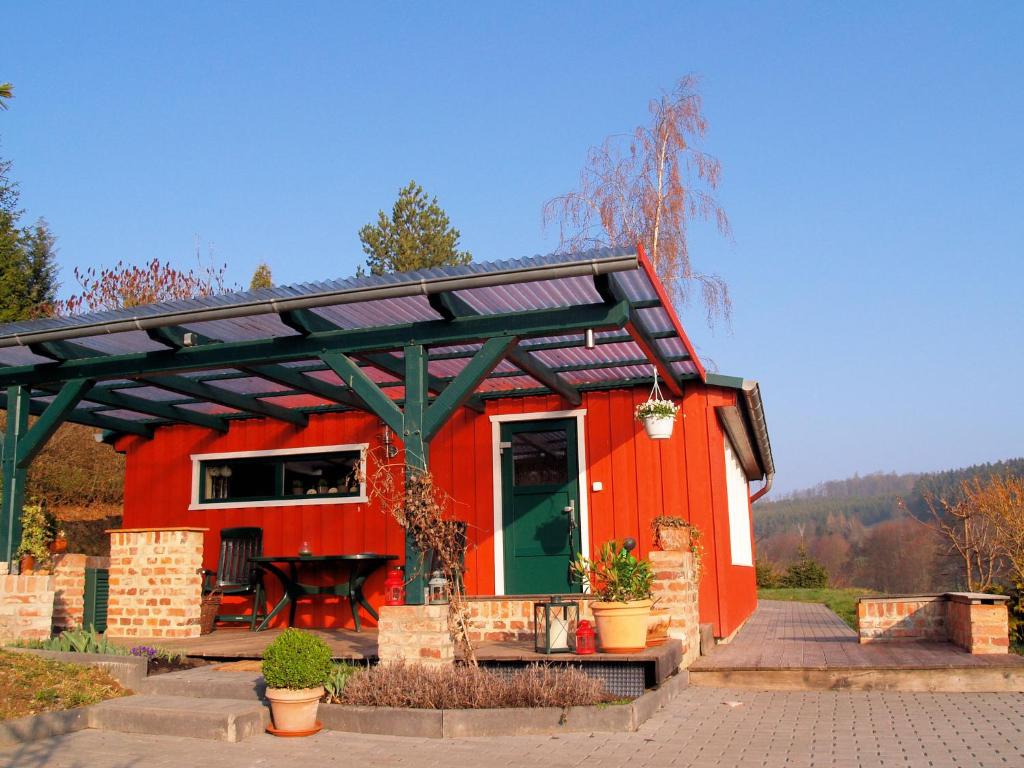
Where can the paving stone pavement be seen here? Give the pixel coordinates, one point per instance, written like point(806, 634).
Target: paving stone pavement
point(702, 727)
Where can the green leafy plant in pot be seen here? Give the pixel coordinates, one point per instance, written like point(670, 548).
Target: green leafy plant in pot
point(622, 584)
point(37, 533)
point(295, 667)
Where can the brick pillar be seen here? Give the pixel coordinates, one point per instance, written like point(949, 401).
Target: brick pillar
point(69, 583)
point(26, 607)
point(155, 582)
point(675, 588)
point(978, 623)
point(415, 634)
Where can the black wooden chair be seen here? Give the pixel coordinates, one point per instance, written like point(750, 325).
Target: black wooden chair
point(236, 573)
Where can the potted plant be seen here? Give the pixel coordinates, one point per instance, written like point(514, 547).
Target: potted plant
point(60, 544)
point(622, 584)
point(671, 533)
point(295, 667)
point(658, 416)
point(36, 536)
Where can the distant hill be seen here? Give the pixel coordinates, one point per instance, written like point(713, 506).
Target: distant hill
point(865, 499)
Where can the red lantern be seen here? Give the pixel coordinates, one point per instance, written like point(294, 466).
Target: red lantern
point(394, 587)
point(585, 640)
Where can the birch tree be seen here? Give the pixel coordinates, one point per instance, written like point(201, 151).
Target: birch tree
point(648, 187)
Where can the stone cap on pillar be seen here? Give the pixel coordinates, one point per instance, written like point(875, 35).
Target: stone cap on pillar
point(157, 530)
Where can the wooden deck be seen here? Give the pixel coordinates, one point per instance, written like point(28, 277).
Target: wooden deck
point(240, 643)
point(805, 645)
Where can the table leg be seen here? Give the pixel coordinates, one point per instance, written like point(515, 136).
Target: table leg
point(294, 571)
point(286, 597)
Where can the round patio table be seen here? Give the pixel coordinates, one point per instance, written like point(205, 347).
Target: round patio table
point(359, 568)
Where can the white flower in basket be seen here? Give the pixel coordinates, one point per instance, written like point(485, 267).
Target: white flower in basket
point(658, 417)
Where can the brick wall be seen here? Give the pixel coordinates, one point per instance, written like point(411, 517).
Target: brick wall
point(978, 623)
point(69, 585)
point(155, 582)
point(508, 619)
point(414, 633)
point(902, 619)
point(26, 606)
point(675, 588)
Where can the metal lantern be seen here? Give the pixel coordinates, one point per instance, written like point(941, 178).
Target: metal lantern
point(437, 589)
point(586, 640)
point(394, 587)
point(554, 625)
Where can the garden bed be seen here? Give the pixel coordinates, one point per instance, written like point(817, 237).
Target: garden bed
point(31, 684)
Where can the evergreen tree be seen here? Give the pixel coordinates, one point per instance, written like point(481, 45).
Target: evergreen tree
point(261, 278)
point(418, 235)
point(28, 269)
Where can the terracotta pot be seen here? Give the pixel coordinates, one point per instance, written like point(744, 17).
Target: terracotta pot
point(28, 563)
point(674, 539)
point(659, 427)
point(621, 627)
point(294, 710)
point(657, 626)
point(59, 546)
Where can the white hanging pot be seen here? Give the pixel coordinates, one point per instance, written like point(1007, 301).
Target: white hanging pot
point(659, 427)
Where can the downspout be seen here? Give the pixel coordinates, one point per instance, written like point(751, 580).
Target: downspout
point(755, 411)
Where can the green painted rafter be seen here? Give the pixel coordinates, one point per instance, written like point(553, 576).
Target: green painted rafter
point(52, 416)
point(365, 389)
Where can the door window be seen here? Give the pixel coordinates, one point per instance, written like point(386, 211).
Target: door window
point(539, 458)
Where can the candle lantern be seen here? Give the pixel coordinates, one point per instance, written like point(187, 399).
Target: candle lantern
point(586, 641)
point(554, 625)
point(394, 587)
point(437, 589)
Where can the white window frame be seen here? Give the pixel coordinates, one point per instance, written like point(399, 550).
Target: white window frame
point(737, 488)
point(581, 458)
point(198, 458)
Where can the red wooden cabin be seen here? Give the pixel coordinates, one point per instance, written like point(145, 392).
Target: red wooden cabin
point(539, 449)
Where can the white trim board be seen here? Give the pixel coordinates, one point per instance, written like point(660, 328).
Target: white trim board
point(197, 458)
point(581, 458)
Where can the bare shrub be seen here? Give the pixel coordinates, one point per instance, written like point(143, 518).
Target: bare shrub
point(414, 686)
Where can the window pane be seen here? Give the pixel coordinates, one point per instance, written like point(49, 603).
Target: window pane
point(248, 479)
point(539, 458)
point(328, 474)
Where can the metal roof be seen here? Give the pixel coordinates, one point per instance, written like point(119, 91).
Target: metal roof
point(34, 353)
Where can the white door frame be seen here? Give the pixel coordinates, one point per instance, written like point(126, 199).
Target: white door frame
point(581, 458)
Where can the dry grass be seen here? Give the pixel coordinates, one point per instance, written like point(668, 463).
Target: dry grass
point(30, 684)
point(465, 687)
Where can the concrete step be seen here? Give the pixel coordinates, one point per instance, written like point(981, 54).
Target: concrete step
point(216, 719)
point(210, 682)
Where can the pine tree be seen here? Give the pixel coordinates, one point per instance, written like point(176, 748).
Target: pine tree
point(418, 235)
point(28, 269)
point(261, 278)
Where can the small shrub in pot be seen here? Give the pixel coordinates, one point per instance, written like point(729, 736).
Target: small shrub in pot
point(622, 584)
point(295, 667)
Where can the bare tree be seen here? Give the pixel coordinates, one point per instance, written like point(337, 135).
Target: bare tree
point(1000, 501)
point(646, 188)
point(968, 534)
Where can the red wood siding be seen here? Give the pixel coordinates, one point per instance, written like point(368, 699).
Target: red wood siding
point(642, 478)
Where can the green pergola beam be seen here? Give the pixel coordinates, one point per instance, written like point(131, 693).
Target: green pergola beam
point(453, 309)
point(463, 330)
point(365, 389)
point(69, 353)
point(610, 291)
point(90, 418)
point(55, 414)
point(417, 459)
point(156, 408)
point(211, 394)
point(307, 322)
point(463, 386)
point(19, 401)
point(175, 336)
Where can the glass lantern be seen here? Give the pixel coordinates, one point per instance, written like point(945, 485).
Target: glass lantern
point(437, 589)
point(554, 625)
point(585, 638)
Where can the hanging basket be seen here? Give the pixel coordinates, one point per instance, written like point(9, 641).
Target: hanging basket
point(208, 612)
point(657, 414)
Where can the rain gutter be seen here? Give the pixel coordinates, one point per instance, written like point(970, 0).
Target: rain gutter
point(416, 287)
point(756, 423)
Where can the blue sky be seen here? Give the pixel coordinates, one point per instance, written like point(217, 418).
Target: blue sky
point(872, 155)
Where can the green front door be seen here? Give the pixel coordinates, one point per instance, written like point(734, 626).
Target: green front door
point(540, 505)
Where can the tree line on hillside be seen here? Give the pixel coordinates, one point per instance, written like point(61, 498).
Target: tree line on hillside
point(878, 542)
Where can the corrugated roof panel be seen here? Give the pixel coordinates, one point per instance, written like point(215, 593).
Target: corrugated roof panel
point(147, 393)
point(248, 386)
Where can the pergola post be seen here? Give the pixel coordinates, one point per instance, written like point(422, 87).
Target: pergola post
point(18, 401)
point(416, 458)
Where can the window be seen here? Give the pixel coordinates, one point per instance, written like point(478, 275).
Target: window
point(738, 492)
point(330, 474)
